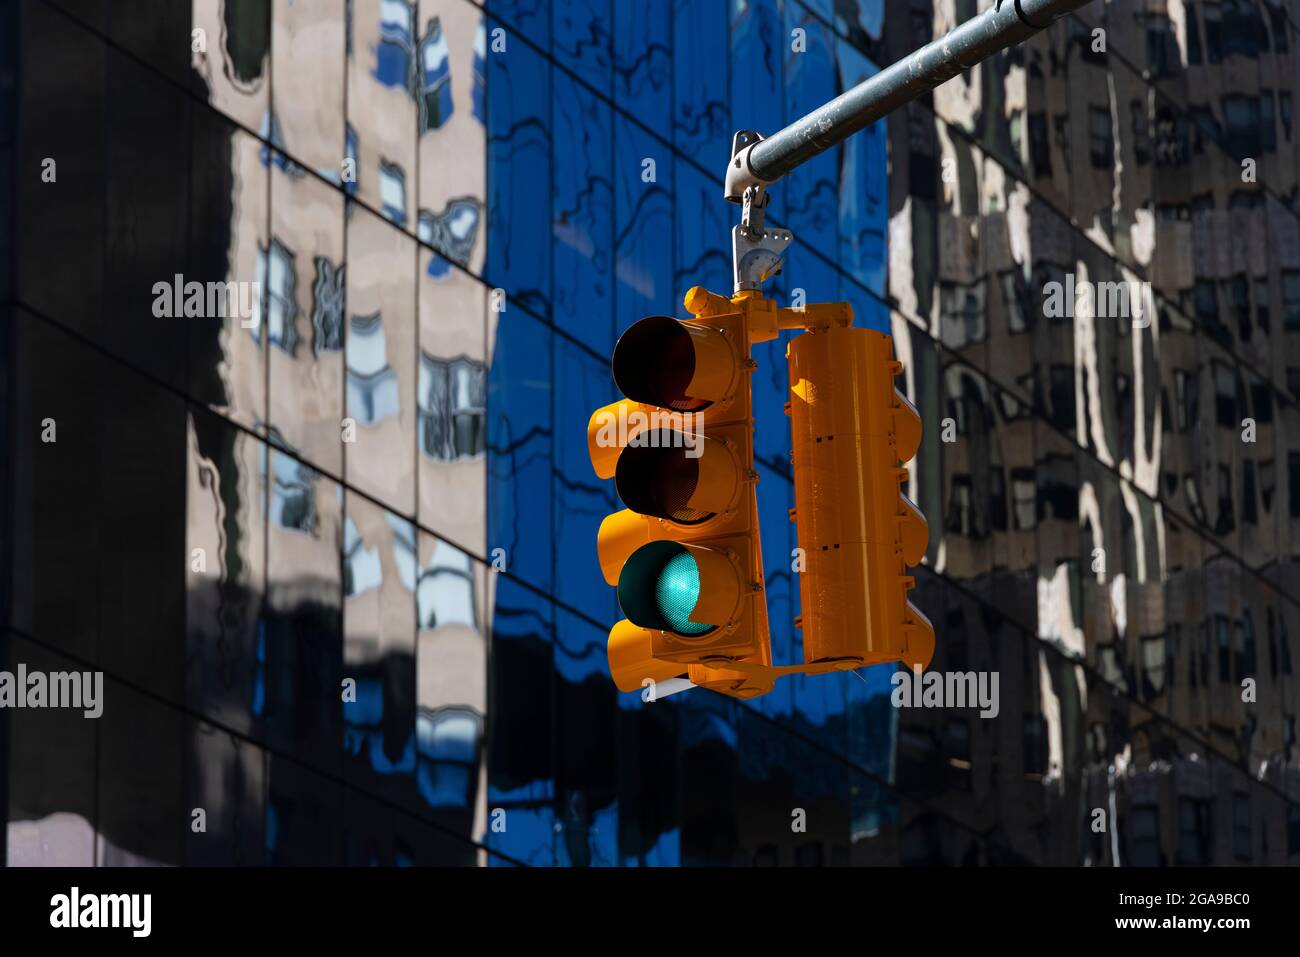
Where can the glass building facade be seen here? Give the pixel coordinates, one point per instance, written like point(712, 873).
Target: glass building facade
point(329, 530)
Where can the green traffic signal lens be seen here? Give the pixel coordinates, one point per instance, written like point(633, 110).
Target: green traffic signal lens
point(659, 586)
point(677, 590)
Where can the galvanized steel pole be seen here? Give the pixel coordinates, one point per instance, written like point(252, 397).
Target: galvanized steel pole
point(1004, 24)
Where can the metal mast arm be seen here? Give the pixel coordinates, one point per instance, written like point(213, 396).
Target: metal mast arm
point(756, 161)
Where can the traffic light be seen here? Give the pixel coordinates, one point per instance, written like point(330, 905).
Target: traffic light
point(684, 554)
point(857, 529)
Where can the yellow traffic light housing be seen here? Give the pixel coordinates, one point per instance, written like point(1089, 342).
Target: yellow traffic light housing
point(685, 555)
point(857, 529)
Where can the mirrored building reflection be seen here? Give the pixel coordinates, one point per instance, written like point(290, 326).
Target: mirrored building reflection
point(329, 531)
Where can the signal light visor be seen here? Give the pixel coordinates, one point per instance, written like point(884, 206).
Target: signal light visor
point(674, 364)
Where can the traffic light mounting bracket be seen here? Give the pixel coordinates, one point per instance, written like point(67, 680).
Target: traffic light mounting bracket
point(757, 253)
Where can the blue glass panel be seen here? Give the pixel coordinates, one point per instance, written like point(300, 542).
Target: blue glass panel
point(519, 175)
point(580, 650)
point(586, 741)
point(642, 49)
point(702, 119)
point(520, 769)
point(823, 9)
point(582, 214)
point(580, 34)
point(710, 779)
point(644, 218)
point(703, 235)
point(863, 205)
point(811, 204)
point(871, 18)
point(582, 385)
point(531, 18)
point(757, 92)
point(519, 446)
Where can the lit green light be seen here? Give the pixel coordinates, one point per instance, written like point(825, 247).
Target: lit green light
point(676, 592)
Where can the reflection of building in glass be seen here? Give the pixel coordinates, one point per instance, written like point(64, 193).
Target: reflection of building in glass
point(453, 398)
point(451, 220)
point(372, 382)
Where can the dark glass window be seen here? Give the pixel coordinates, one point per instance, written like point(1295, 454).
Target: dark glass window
point(248, 37)
point(1226, 521)
point(1241, 114)
point(997, 498)
point(1272, 643)
point(1206, 301)
point(1241, 826)
point(1034, 744)
point(1193, 831)
point(1249, 509)
point(1262, 297)
point(1291, 300)
point(1101, 137)
point(1267, 122)
point(1261, 401)
point(434, 78)
point(1238, 294)
point(1062, 396)
point(1225, 395)
point(453, 412)
point(1184, 388)
point(956, 748)
point(1293, 481)
point(1159, 54)
point(1285, 644)
point(1145, 823)
point(1213, 33)
point(1281, 28)
point(1205, 127)
point(1193, 35)
point(1223, 639)
point(1243, 30)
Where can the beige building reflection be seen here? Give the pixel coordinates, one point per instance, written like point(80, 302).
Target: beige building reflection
point(365, 362)
point(1130, 529)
